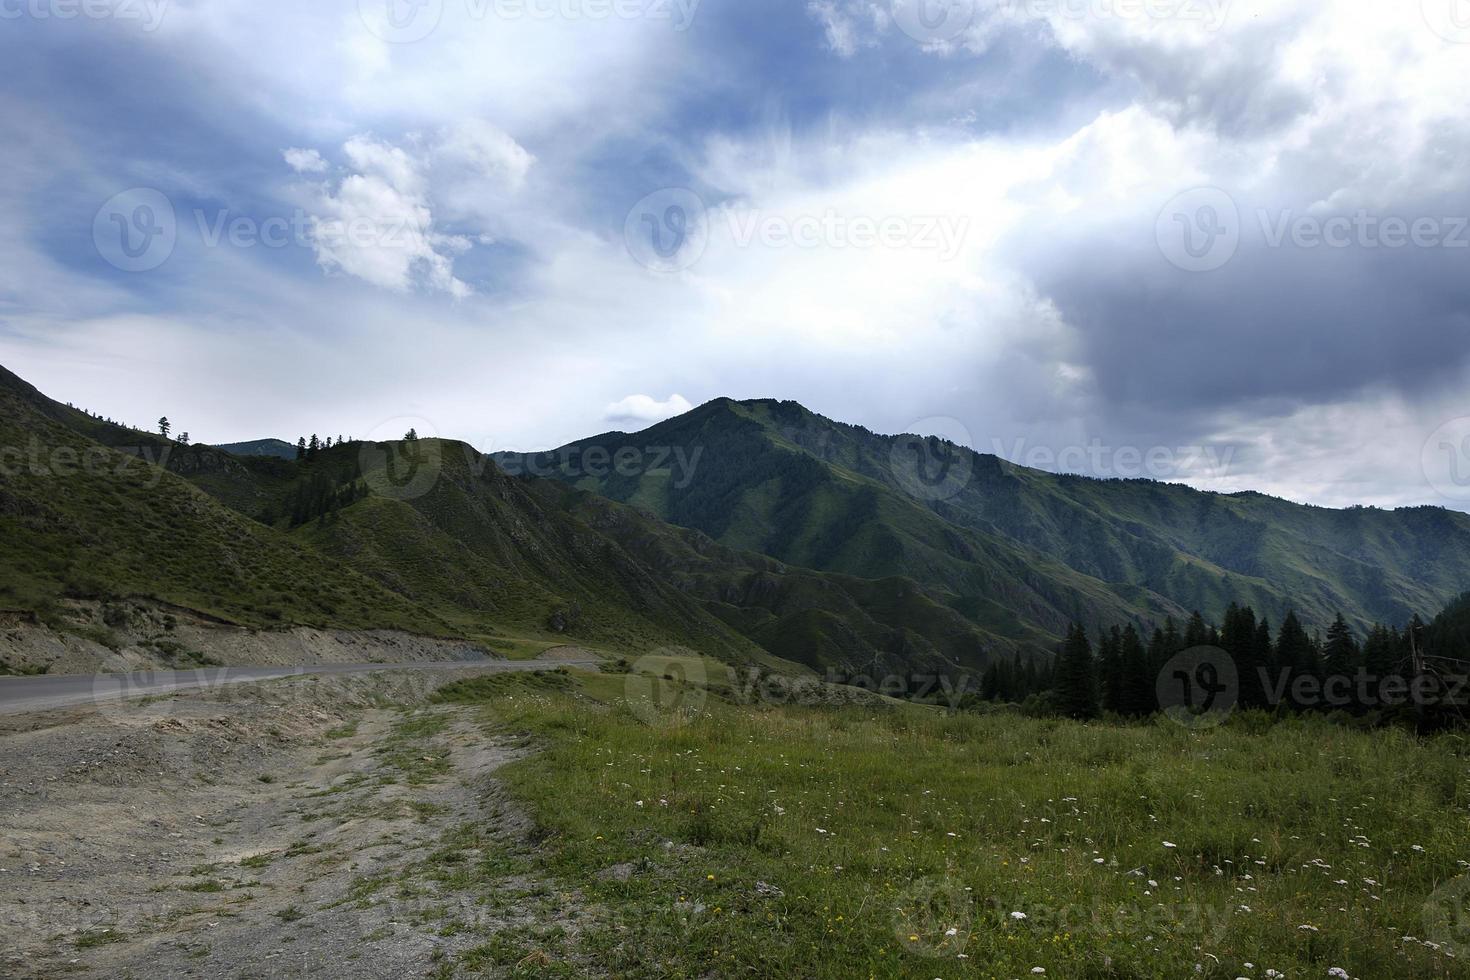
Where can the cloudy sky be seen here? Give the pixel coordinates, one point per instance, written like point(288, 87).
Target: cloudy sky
point(1226, 236)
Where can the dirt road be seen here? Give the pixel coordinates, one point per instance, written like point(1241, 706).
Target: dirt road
point(49, 691)
point(313, 826)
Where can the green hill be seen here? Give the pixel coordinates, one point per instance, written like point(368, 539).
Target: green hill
point(80, 519)
point(746, 530)
point(93, 510)
point(774, 478)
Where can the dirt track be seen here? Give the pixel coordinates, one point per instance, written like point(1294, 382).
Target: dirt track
point(301, 827)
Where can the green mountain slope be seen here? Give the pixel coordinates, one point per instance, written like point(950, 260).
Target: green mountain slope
point(83, 520)
point(824, 620)
point(775, 478)
point(354, 537)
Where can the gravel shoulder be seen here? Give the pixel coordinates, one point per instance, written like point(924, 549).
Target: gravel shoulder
point(337, 826)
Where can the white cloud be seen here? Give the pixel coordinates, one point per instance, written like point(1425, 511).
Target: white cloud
point(486, 153)
point(645, 409)
point(304, 161)
point(377, 224)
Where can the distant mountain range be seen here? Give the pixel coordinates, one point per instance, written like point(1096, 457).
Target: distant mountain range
point(1018, 552)
point(261, 447)
point(753, 531)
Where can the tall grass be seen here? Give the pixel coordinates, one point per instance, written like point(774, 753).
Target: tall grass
point(791, 841)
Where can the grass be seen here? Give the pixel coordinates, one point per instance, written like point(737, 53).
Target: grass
point(839, 842)
point(100, 937)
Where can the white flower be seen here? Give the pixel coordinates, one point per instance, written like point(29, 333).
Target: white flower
point(1038, 969)
point(1338, 972)
point(1167, 844)
point(1018, 916)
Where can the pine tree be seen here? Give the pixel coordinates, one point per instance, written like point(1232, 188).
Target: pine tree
point(164, 425)
point(1340, 653)
point(301, 448)
point(1110, 669)
point(1196, 634)
point(1294, 653)
point(313, 447)
point(1239, 640)
point(1139, 682)
point(1076, 685)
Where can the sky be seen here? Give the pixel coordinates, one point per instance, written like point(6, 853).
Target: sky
point(1221, 242)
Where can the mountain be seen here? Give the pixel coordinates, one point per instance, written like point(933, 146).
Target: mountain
point(261, 447)
point(80, 519)
point(427, 536)
point(984, 536)
point(752, 531)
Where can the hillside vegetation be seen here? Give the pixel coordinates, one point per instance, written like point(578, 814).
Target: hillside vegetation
point(774, 478)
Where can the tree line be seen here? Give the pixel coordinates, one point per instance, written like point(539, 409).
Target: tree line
point(1415, 673)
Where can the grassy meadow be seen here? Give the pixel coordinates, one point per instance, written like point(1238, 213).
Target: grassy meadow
point(730, 839)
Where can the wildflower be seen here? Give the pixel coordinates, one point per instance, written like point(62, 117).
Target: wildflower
point(1338, 972)
point(1167, 844)
point(1018, 916)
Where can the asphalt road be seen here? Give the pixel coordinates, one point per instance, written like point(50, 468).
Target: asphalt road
point(20, 694)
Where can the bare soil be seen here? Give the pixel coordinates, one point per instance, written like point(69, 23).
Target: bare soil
point(134, 634)
point(322, 827)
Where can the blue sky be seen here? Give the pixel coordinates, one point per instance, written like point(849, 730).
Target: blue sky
point(992, 222)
